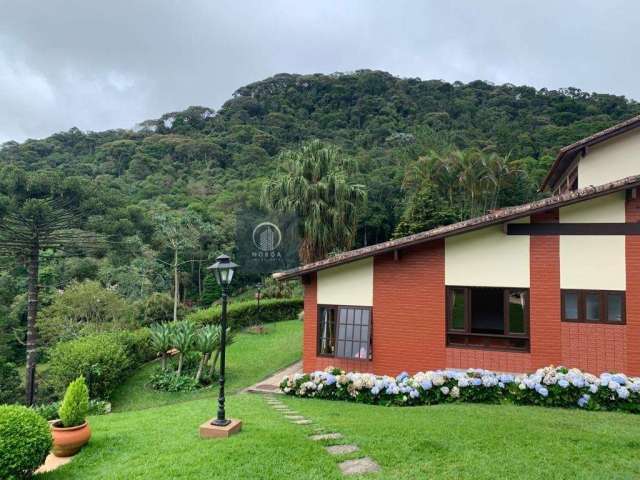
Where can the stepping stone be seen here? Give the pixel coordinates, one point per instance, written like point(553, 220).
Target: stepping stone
point(325, 436)
point(303, 422)
point(294, 417)
point(359, 466)
point(341, 449)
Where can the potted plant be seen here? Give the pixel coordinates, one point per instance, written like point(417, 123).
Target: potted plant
point(71, 432)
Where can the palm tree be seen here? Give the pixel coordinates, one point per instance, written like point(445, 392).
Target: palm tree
point(183, 338)
point(313, 185)
point(161, 339)
point(207, 341)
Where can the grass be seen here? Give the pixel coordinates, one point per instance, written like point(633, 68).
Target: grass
point(250, 358)
point(455, 441)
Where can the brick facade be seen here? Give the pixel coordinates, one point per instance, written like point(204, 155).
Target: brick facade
point(409, 316)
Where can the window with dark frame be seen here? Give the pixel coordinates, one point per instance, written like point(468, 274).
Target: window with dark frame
point(344, 331)
point(486, 317)
point(594, 306)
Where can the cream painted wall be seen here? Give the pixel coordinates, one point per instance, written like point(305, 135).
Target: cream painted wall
point(593, 261)
point(349, 284)
point(611, 160)
point(487, 258)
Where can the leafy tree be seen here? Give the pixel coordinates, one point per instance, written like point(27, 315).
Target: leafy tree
point(313, 184)
point(37, 212)
point(426, 210)
point(211, 291)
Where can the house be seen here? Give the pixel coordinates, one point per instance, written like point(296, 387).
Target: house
point(555, 281)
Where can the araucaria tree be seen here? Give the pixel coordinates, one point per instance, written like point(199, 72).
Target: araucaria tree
point(313, 184)
point(41, 211)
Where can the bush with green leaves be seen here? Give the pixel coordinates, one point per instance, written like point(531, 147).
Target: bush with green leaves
point(75, 404)
point(159, 309)
point(49, 411)
point(84, 308)
point(25, 441)
point(101, 359)
point(171, 382)
point(161, 337)
point(247, 313)
point(10, 391)
point(137, 344)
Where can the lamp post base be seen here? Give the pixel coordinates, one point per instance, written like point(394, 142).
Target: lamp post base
point(209, 430)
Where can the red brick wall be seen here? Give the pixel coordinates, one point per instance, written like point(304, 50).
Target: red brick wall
point(489, 360)
point(544, 314)
point(594, 348)
point(632, 247)
point(409, 310)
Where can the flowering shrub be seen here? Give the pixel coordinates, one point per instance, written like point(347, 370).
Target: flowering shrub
point(549, 386)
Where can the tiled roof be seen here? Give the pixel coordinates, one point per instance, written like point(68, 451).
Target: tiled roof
point(566, 154)
point(495, 217)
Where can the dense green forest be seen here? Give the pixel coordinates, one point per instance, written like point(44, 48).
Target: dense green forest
point(167, 197)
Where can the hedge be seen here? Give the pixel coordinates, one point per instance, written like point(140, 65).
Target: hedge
point(104, 360)
point(246, 313)
point(549, 386)
point(25, 441)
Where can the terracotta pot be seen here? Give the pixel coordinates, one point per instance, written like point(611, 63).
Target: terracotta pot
point(69, 441)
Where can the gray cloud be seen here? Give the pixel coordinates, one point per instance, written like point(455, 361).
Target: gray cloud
point(99, 65)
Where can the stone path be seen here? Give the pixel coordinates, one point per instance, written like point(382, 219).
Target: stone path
point(52, 462)
point(271, 385)
point(355, 466)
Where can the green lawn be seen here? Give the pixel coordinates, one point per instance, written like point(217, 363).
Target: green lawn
point(250, 359)
point(460, 441)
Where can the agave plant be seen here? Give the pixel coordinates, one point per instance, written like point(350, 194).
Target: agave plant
point(161, 339)
point(230, 339)
point(207, 341)
point(184, 335)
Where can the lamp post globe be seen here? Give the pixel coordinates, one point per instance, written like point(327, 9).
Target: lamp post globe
point(223, 270)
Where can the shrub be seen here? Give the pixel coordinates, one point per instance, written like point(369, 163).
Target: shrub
point(171, 382)
point(159, 308)
point(137, 345)
point(10, 391)
point(549, 386)
point(84, 308)
point(246, 313)
point(75, 404)
point(25, 441)
point(101, 359)
point(49, 411)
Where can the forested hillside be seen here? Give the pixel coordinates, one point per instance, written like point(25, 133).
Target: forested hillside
point(419, 146)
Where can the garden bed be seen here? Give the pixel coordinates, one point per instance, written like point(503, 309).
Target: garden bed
point(549, 386)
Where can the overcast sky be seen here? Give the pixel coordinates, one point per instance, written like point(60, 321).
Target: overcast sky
point(111, 64)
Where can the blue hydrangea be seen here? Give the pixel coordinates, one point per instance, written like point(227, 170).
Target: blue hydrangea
point(563, 383)
point(330, 379)
point(623, 393)
point(593, 388)
point(619, 379)
point(543, 391)
point(414, 394)
point(476, 382)
point(583, 400)
point(402, 376)
point(426, 384)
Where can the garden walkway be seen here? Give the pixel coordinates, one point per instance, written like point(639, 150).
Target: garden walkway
point(352, 462)
point(272, 384)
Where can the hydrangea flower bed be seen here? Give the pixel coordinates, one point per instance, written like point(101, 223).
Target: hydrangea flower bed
point(549, 386)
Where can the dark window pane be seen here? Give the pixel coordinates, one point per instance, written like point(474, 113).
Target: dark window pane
point(487, 310)
point(517, 309)
point(614, 307)
point(353, 333)
point(327, 337)
point(571, 306)
point(457, 309)
point(592, 306)
point(340, 350)
point(365, 317)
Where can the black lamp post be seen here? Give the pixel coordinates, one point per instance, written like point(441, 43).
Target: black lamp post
point(223, 270)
